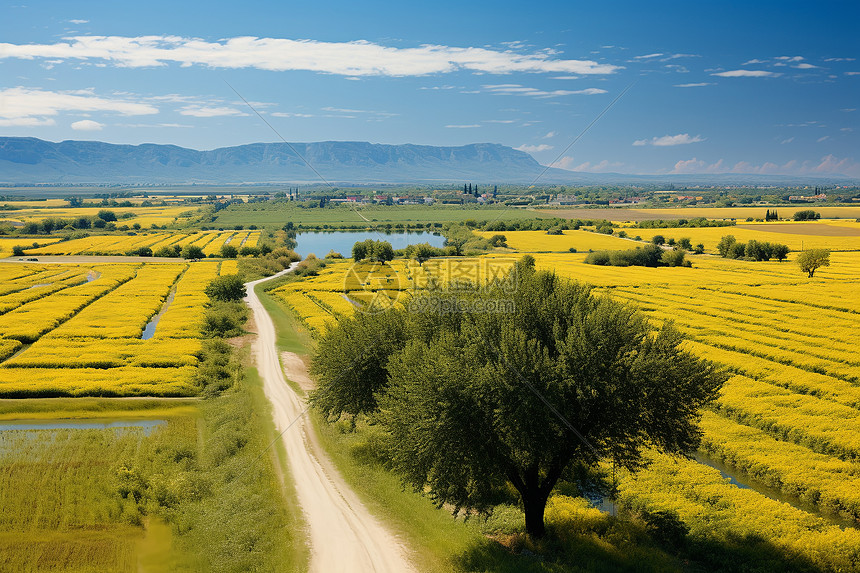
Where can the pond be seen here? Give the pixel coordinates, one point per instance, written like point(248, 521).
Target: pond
point(321, 242)
point(84, 424)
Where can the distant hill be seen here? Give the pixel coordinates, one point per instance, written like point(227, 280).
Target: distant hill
point(31, 160)
point(27, 160)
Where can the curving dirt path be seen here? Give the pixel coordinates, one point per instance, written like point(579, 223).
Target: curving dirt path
point(344, 536)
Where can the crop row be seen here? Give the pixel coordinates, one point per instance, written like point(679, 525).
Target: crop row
point(715, 509)
point(825, 481)
point(182, 318)
point(124, 312)
point(210, 241)
point(108, 353)
point(122, 381)
point(30, 321)
point(821, 425)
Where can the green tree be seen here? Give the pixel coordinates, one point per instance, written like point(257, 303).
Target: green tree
point(658, 240)
point(382, 251)
point(474, 402)
point(811, 260)
point(498, 241)
point(229, 251)
point(725, 245)
point(423, 252)
point(780, 252)
point(226, 288)
point(192, 252)
point(807, 215)
point(360, 250)
point(106, 215)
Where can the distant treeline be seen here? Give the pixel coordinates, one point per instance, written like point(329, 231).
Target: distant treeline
point(104, 219)
point(679, 223)
point(542, 224)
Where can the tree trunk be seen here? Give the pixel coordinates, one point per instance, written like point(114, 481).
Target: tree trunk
point(534, 504)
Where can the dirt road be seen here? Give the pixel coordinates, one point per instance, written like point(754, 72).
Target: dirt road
point(343, 535)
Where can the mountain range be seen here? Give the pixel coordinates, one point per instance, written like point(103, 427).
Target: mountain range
point(28, 160)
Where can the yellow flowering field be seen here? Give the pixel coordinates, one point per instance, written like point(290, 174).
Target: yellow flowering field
point(145, 216)
point(209, 241)
point(739, 213)
point(76, 330)
point(788, 418)
point(8, 243)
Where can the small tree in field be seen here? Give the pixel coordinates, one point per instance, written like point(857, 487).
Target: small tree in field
point(780, 252)
point(226, 288)
point(473, 402)
point(192, 252)
point(229, 251)
point(809, 261)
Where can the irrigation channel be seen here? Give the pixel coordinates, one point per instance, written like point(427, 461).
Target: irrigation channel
point(82, 424)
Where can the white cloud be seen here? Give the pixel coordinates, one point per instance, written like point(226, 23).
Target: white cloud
point(696, 85)
point(784, 141)
point(469, 126)
point(745, 74)
point(87, 125)
point(824, 138)
point(805, 66)
point(26, 122)
point(534, 148)
point(840, 59)
point(152, 125)
point(831, 164)
point(34, 107)
point(356, 58)
point(789, 58)
point(852, 73)
point(517, 89)
point(669, 140)
point(565, 77)
point(647, 56)
point(286, 114)
point(550, 135)
point(753, 61)
point(205, 111)
point(599, 167)
point(351, 111)
point(78, 21)
point(828, 165)
point(500, 121)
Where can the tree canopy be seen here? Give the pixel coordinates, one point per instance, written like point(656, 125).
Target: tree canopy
point(809, 261)
point(512, 384)
point(379, 251)
point(226, 288)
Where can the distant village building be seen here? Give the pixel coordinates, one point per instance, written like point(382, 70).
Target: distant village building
point(564, 200)
point(808, 198)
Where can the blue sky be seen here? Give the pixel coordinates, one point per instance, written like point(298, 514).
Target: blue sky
point(746, 87)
